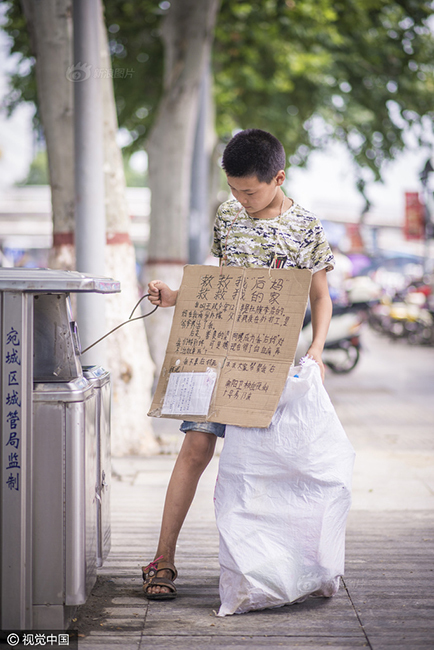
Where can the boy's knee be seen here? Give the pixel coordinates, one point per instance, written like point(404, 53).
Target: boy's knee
point(199, 447)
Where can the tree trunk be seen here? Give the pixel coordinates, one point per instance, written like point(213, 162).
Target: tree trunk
point(187, 33)
point(129, 362)
point(50, 28)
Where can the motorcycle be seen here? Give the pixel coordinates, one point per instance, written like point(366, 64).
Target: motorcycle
point(407, 315)
point(407, 318)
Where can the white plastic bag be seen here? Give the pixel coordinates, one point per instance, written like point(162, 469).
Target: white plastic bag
point(281, 501)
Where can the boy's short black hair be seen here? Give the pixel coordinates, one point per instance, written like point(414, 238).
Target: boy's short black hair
point(254, 153)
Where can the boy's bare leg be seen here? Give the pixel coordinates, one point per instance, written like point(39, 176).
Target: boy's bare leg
point(195, 454)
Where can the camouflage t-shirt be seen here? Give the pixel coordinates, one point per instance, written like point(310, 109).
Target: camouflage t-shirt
point(294, 239)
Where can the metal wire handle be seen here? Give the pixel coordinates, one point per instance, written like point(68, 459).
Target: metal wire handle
point(130, 320)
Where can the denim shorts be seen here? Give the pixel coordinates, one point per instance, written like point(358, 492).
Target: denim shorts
point(207, 427)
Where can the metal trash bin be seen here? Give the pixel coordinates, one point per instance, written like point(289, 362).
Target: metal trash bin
point(64, 508)
point(49, 450)
point(100, 381)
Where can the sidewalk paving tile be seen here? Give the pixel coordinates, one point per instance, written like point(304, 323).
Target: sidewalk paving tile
point(385, 601)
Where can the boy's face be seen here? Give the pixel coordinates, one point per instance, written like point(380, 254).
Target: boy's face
point(254, 195)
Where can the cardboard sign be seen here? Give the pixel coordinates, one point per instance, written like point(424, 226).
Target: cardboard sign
point(233, 339)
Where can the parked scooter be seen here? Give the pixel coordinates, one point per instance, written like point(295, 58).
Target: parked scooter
point(407, 315)
point(342, 347)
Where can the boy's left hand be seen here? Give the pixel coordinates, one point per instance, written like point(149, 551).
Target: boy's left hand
point(312, 353)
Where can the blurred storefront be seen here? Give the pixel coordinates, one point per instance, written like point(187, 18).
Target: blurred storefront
point(26, 224)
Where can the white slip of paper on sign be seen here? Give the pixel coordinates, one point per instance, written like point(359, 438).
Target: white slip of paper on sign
point(189, 393)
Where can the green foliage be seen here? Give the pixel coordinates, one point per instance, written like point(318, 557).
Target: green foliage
point(136, 49)
point(133, 177)
point(365, 67)
point(22, 83)
point(38, 170)
point(357, 71)
point(137, 62)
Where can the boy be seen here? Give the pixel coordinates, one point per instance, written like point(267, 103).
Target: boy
point(259, 227)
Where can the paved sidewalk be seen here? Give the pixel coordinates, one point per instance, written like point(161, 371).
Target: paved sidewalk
point(386, 600)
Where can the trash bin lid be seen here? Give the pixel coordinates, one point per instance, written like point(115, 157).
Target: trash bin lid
point(51, 280)
point(77, 390)
point(96, 375)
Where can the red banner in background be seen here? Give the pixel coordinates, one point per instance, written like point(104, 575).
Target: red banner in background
point(355, 238)
point(414, 224)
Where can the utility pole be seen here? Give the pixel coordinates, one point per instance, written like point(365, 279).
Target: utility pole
point(429, 225)
point(199, 221)
point(90, 228)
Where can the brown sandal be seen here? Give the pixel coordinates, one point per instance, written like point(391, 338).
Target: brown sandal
point(150, 579)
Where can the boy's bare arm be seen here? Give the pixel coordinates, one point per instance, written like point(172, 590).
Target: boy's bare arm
point(321, 309)
point(160, 294)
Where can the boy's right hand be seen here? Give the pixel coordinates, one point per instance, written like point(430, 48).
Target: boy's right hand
point(161, 295)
